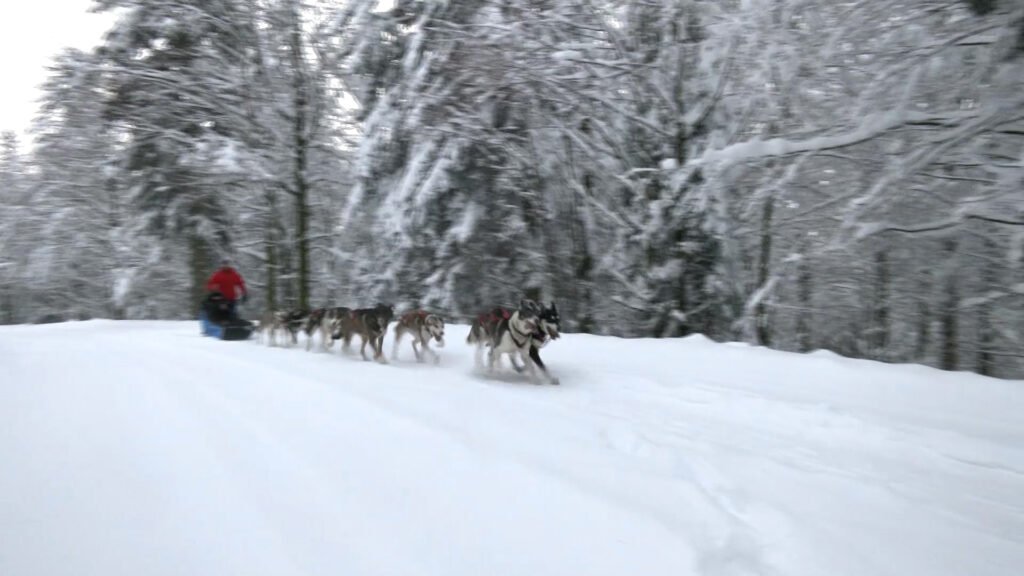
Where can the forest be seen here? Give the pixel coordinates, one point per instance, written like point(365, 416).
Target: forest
point(799, 174)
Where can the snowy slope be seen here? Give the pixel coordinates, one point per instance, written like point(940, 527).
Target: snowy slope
point(142, 448)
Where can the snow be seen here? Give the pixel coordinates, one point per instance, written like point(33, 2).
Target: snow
point(466, 226)
point(871, 126)
point(144, 448)
point(567, 55)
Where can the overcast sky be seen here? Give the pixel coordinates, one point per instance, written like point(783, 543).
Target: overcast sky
point(32, 32)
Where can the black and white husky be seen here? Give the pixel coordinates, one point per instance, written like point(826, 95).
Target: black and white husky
point(424, 327)
point(549, 327)
point(515, 336)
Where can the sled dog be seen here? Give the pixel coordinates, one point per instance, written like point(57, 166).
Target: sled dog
point(326, 322)
point(289, 322)
point(549, 327)
point(515, 336)
point(265, 327)
point(482, 330)
point(423, 326)
point(370, 324)
point(312, 325)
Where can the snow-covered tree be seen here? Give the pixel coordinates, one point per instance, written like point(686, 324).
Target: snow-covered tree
point(796, 173)
point(16, 224)
point(177, 93)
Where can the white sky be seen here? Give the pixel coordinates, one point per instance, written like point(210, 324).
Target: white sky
point(32, 32)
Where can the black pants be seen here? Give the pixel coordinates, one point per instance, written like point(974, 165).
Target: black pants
point(232, 309)
point(220, 311)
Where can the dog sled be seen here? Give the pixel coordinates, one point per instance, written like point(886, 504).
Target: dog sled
point(218, 320)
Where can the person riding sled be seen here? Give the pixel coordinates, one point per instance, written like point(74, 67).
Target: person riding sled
point(227, 282)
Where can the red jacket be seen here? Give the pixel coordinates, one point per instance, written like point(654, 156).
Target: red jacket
point(228, 282)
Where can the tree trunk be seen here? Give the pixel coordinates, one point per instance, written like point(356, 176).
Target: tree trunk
point(199, 263)
point(582, 304)
point(950, 337)
point(985, 361)
point(763, 271)
point(924, 329)
point(6, 307)
point(271, 252)
point(584, 267)
point(682, 304)
point(301, 143)
point(804, 317)
point(880, 328)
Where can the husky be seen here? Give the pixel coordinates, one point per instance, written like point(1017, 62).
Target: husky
point(549, 328)
point(327, 322)
point(292, 321)
point(423, 326)
point(288, 321)
point(312, 325)
point(551, 325)
point(370, 324)
point(515, 336)
point(481, 331)
point(483, 327)
point(331, 328)
point(265, 327)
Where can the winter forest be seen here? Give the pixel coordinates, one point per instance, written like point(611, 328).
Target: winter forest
point(800, 174)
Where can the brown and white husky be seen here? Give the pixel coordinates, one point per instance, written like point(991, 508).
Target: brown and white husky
point(424, 327)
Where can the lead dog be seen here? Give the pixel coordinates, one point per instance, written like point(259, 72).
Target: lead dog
point(515, 336)
point(549, 328)
point(423, 326)
point(484, 326)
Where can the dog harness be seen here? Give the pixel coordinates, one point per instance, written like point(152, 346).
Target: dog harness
point(493, 318)
point(512, 334)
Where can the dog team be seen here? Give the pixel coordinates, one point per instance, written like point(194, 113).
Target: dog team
point(520, 332)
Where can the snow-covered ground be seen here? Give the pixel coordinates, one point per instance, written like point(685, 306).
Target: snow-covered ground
point(142, 448)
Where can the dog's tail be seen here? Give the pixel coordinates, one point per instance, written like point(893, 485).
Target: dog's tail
point(473, 337)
